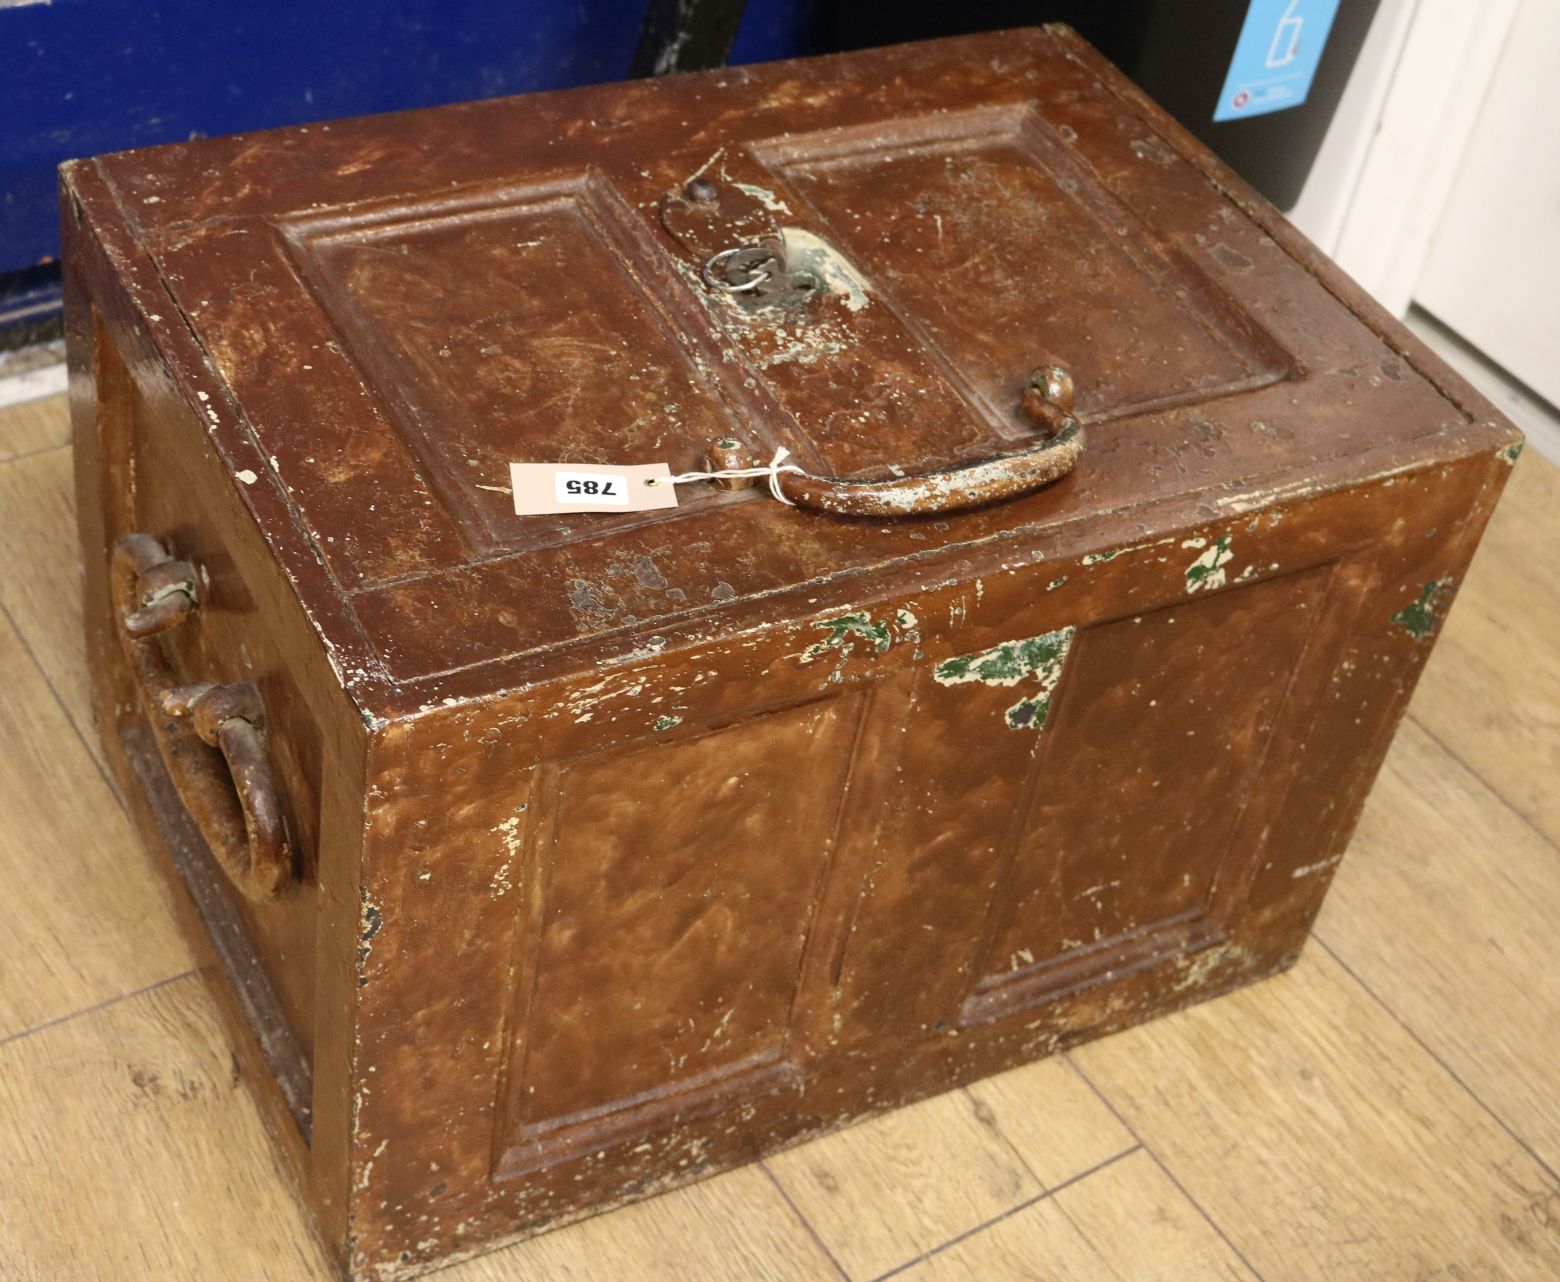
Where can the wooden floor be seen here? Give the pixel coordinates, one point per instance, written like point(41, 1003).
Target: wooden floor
point(1390, 1109)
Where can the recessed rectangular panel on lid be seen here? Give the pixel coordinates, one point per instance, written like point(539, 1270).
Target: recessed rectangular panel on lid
point(513, 326)
point(1005, 252)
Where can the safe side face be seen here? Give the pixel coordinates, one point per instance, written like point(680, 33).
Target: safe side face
point(617, 850)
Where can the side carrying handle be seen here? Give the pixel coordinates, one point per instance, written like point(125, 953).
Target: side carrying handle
point(1047, 400)
point(237, 808)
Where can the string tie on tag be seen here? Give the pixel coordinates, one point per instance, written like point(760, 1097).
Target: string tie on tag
point(776, 466)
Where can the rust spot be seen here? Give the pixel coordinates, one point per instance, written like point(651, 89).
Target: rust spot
point(585, 597)
point(647, 574)
point(1231, 258)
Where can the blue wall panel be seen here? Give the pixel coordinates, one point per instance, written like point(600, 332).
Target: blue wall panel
point(78, 77)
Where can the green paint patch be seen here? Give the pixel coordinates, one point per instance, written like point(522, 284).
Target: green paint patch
point(1510, 453)
point(1055, 583)
point(666, 723)
point(1207, 571)
point(1038, 659)
point(847, 628)
point(1009, 663)
point(847, 631)
point(1028, 712)
point(1097, 558)
point(1420, 618)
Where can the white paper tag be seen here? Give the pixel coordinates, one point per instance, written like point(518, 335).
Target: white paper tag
point(589, 487)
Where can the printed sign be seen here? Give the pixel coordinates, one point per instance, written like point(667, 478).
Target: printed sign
point(1276, 57)
point(590, 487)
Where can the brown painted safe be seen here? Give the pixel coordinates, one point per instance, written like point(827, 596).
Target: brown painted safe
point(545, 862)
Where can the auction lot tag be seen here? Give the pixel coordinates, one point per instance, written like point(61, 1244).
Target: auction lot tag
point(590, 487)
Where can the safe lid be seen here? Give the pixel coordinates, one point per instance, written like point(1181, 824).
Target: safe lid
point(390, 311)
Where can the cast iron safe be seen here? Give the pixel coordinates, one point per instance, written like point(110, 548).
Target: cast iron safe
point(544, 862)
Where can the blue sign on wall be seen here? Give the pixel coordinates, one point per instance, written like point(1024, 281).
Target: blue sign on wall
point(1276, 57)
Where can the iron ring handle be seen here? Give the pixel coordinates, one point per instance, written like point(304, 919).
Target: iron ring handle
point(714, 271)
point(237, 809)
point(1047, 400)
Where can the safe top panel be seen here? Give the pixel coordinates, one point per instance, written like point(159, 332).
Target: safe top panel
point(391, 310)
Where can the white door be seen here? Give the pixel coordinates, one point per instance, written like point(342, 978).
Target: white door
point(1493, 273)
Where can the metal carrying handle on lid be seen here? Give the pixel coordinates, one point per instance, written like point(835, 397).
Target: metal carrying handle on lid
point(237, 807)
point(1047, 400)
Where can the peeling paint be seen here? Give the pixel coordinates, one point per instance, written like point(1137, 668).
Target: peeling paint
point(667, 722)
point(1420, 618)
point(764, 196)
point(1198, 970)
point(1207, 571)
point(370, 921)
point(1273, 495)
point(846, 631)
point(1100, 558)
point(805, 350)
point(1510, 453)
point(807, 252)
point(845, 626)
point(652, 647)
point(1035, 658)
point(509, 833)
